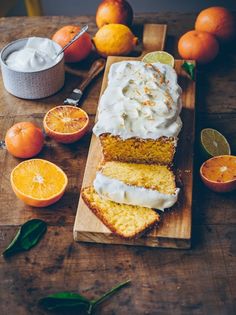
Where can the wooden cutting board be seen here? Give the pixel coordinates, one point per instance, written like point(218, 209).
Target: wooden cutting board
point(174, 230)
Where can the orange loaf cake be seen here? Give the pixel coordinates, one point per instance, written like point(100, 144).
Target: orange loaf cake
point(138, 114)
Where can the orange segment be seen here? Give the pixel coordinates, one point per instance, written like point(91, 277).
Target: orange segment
point(66, 119)
point(221, 169)
point(214, 143)
point(38, 182)
point(66, 124)
point(159, 56)
point(219, 173)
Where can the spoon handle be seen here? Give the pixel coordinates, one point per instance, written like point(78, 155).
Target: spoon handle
point(74, 98)
point(97, 66)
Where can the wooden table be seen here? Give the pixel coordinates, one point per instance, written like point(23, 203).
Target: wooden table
point(201, 280)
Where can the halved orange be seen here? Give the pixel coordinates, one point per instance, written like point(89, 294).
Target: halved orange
point(214, 143)
point(39, 183)
point(66, 124)
point(219, 173)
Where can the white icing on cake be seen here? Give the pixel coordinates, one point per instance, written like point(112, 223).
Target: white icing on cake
point(141, 100)
point(120, 192)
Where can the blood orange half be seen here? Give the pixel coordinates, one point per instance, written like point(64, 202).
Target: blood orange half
point(219, 173)
point(66, 124)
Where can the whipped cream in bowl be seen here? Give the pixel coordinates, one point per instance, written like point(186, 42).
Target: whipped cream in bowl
point(38, 54)
point(31, 68)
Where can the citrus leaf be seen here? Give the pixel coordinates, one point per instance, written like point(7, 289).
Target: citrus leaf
point(189, 68)
point(64, 300)
point(26, 237)
point(110, 292)
point(69, 300)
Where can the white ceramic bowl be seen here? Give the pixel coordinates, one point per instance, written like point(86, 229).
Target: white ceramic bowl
point(32, 85)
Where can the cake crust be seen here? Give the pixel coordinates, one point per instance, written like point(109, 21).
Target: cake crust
point(98, 210)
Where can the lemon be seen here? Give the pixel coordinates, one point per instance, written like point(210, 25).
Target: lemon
point(214, 143)
point(159, 56)
point(114, 40)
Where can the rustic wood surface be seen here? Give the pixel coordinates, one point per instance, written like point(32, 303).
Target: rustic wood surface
point(174, 231)
point(201, 280)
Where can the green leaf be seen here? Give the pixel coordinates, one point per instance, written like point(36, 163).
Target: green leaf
point(68, 300)
point(110, 292)
point(63, 300)
point(106, 295)
point(189, 68)
point(26, 237)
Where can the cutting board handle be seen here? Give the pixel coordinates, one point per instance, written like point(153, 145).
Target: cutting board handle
point(154, 36)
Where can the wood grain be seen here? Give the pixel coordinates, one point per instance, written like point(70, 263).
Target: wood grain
point(154, 37)
point(194, 281)
point(175, 227)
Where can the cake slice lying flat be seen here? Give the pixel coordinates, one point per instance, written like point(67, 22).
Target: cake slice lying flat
point(124, 220)
point(151, 186)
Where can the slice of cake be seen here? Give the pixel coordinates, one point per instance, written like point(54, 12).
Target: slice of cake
point(145, 185)
point(124, 220)
point(138, 114)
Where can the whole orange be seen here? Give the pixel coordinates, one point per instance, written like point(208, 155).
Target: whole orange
point(24, 140)
point(200, 46)
point(114, 40)
point(114, 12)
point(77, 51)
point(218, 21)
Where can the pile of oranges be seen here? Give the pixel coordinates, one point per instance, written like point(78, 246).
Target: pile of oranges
point(38, 182)
point(114, 37)
point(213, 26)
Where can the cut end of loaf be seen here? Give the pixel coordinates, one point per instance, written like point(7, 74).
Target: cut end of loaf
point(136, 150)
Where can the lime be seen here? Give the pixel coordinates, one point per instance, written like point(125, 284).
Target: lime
point(214, 143)
point(159, 56)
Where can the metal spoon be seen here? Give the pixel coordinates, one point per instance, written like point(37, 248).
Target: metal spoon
point(80, 33)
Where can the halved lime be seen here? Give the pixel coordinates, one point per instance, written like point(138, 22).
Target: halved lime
point(214, 143)
point(159, 56)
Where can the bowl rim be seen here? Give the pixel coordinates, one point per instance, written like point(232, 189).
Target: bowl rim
point(61, 56)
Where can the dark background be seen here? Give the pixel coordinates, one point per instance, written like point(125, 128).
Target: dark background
point(88, 7)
